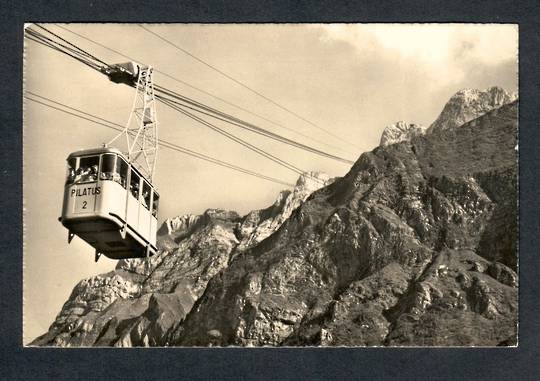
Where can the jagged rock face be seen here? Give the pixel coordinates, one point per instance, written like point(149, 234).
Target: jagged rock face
point(155, 296)
point(89, 308)
point(168, 286)
point(469, 104)
point(259, 224)
point(400, 132)
point(391, 254)
point(416, 245)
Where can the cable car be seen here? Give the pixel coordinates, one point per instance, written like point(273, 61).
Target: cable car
point(110, 204)
point(109, 198)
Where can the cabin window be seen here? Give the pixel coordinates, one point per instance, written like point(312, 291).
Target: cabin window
point(155, 204)
point(70, 175)
point(114, 168)
point(88, 169)
point(134, 184)
point(146, 195)
point(108, 168)
point(122, 170)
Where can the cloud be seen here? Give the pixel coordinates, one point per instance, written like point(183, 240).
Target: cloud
point(444, 53)
point(431, 43)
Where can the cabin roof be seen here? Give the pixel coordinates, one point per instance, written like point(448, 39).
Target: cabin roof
point(95, 151)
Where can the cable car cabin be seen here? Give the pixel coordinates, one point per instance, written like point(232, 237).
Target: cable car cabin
point(109, 204)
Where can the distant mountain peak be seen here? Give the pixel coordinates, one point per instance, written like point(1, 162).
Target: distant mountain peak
point(259, 224)
point(469, 104)
point(311, 178)
point(400, 131)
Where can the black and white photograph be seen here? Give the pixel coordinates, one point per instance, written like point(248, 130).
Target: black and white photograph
point(270, 185)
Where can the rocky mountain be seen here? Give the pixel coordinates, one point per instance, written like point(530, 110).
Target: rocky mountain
point(469, 104)
point(399, 132)
point(464, 106)
point(415, 245)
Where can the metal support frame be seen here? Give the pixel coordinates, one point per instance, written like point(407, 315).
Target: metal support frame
point(141, 131)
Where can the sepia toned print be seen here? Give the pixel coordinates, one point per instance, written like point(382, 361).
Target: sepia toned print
point(270, 185)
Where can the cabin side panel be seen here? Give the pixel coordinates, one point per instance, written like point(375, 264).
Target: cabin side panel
point(112, 200)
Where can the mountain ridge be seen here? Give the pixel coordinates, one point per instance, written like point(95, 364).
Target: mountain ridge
point(305, 288)
point(468, 104)
point(463, 106)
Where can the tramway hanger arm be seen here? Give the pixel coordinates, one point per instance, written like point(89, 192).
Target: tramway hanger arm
point(139, 139)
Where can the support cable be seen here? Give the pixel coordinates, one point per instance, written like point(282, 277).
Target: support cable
point(40, 39)
point(227, 117)
point(49, 43)
point(216, 114)
point(206, 92)
point(234, 138)
point(245, 86)
point(73, 45)
point(242, 142)
point(105, 123)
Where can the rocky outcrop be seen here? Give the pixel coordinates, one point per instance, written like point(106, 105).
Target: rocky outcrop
point(399, 132)
point(416, 245)
point(259, 224)
point(469, 104)
point(464, 106)
point(388, 255)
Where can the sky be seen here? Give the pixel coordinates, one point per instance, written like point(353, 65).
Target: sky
point(349, 79)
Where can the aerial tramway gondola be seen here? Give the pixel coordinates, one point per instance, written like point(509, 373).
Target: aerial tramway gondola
point(109, 198)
